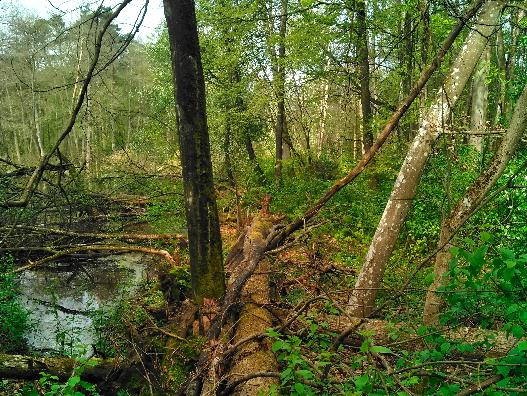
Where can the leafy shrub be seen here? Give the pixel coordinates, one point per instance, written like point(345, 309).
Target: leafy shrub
point(14, 319)
point(50, 385)
point(488, 286)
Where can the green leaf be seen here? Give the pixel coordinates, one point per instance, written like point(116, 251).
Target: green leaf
point(74, 381)
point(380, 349)
point(306, 374)
point(362, 381)
point(300, 388)
point(445, 347)
point(272, 333)
point(507, 254)
point(280, 345)
point(522, 346)
point(517, 331)
point(485, 236)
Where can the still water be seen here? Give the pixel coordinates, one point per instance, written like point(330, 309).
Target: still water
point(61, 299)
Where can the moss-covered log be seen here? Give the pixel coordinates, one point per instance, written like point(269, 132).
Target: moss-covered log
point(29, 368)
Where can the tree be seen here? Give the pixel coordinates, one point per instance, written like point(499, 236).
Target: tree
point(364, 67)
point(370, 277)
point(469, 203)
point(206, 263)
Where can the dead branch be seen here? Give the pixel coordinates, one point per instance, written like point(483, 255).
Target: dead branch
point(122, 237)
point(111, 248)
point(480, 386)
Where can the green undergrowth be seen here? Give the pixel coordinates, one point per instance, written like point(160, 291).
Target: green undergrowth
point(14, 318)
point(485, 290)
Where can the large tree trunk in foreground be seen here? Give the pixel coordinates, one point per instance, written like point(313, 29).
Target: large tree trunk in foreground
point(253, 319)
point(468, 204)
point(206, 264)
point(370, 277)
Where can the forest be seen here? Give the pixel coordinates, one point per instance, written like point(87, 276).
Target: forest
point(265, 197)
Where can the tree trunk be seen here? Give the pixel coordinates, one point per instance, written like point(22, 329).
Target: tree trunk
point(370, 277)
point(252, 157)
point(205, 250)
point(364, 67)
point(36, 117)
point(279, 80)
point(407, 67)
point(424, 7)
point(479, 103)
point(227, 153)
point(468, 204)
point(323, 115)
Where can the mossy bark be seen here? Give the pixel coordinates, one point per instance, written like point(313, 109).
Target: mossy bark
point(206, 263)
point(30, 367)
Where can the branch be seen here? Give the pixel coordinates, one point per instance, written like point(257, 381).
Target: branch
point(122, 237)
point(476, 388)
point(158, 252)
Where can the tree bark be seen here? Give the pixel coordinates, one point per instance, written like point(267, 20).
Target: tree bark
point(254, 160)
point(364, 68)
point(279, 77)
point(370, 277)
point(205, 249)
point(480, 93)
point(29, 367)
point(468, 204)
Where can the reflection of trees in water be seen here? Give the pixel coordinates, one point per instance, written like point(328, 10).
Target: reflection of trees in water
point(61, 296)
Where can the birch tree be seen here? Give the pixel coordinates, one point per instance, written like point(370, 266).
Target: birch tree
point(468, 204)
point(362, 299)
point(480, 93)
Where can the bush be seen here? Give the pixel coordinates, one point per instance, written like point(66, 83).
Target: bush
point(14, 318)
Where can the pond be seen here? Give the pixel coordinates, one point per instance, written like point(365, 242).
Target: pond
point(62, 297)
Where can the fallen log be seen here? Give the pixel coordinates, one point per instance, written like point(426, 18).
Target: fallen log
point(121, 237)
point(24, 367)
point(254, 319)
point(249, 286)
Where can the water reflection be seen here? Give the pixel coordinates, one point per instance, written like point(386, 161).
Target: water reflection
point(61, 297)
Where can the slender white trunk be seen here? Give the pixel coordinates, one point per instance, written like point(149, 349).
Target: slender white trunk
point(480, 93)
point(323, 114)
point(36, 118)
point(362, 299)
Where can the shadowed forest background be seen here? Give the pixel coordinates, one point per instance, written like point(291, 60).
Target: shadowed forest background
point(347, 215)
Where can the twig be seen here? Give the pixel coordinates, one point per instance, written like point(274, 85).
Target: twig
point(480, 386)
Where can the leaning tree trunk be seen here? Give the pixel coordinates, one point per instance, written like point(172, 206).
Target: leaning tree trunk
point(468, 204)
point(206, 263)
point(370, 277)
